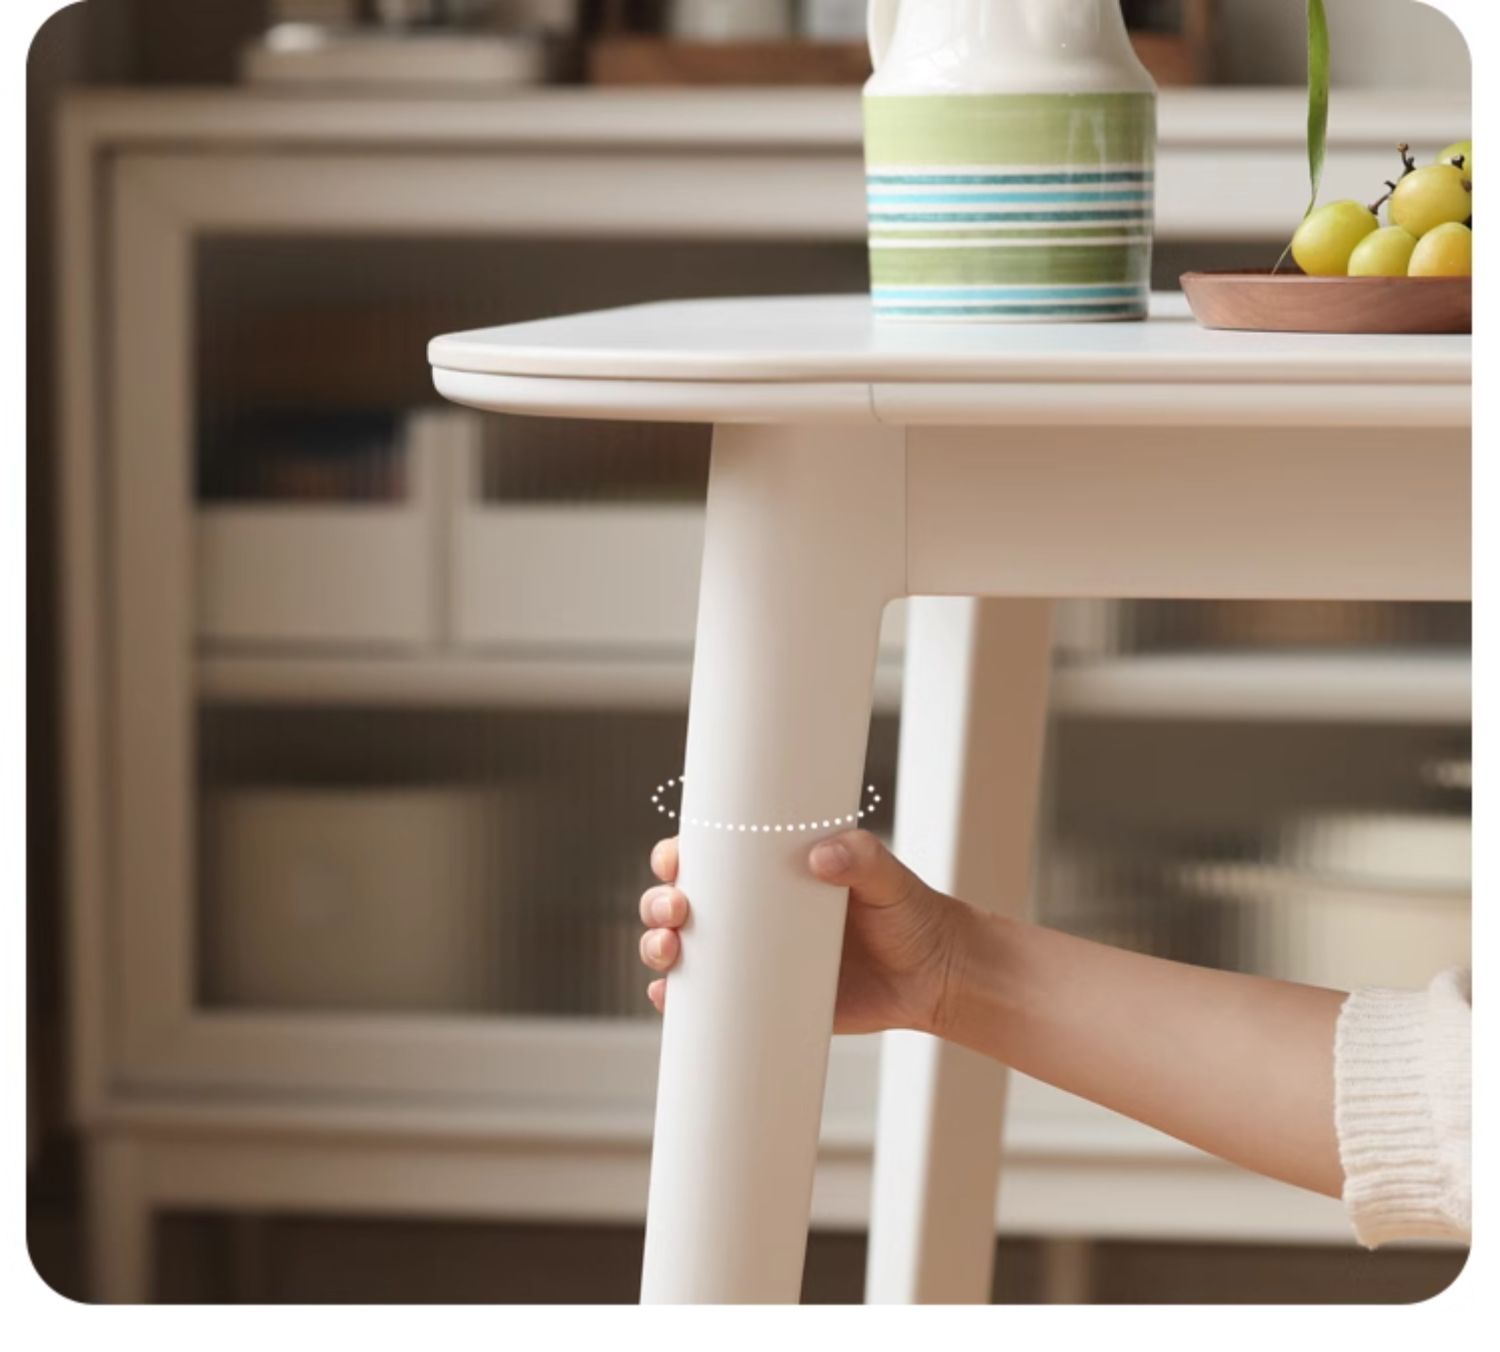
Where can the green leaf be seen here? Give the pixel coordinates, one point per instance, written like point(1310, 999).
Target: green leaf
point(1317, 94)
point(1317, 105)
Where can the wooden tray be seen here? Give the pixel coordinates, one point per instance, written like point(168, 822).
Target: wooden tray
point(628, 60)
point(1289, 302)
point(1172, 59)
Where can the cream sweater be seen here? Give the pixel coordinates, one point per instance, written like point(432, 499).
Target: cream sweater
point(1401, 1081)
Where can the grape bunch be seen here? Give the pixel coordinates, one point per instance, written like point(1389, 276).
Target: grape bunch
point(1430, 232)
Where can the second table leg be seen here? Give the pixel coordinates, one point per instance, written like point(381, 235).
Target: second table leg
point(973, 721)
point(805, 545)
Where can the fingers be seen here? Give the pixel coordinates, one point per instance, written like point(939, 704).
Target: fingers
point(664, 908)
point(664, 859)
point(660, 949)
point(855, 859)
point(663, 911)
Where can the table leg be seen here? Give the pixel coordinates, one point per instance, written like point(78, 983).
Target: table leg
point(805, 545)
point(973, 718)
point(118, 1222)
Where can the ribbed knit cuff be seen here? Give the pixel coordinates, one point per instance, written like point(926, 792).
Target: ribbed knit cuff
point(1401, 1108)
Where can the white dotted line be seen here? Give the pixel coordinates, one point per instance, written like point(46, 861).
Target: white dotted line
point(772, 828)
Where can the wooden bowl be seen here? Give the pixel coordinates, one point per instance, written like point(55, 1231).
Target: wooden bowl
point(1290, 302)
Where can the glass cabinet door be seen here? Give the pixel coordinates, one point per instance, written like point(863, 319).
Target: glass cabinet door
point(431, 662)
point(430, 852)
point(1287, 832)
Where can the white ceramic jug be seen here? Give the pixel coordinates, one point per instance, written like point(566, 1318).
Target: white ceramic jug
point(1010, 152)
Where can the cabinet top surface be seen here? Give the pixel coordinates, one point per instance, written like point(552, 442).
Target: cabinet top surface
point(835, 340)
point(789, 118)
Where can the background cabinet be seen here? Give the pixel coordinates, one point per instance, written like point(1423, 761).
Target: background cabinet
point(368, 695)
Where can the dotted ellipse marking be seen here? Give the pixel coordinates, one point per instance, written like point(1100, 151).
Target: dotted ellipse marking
point(658, 801)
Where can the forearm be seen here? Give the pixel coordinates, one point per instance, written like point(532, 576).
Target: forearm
point(1239, 1066)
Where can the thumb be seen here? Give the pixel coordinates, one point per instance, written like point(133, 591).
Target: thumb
point(857, 860)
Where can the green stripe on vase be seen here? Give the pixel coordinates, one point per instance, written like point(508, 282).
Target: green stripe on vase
point(1067, 263)
point(886, 235)
point(1009, 129)
point(1005, 178)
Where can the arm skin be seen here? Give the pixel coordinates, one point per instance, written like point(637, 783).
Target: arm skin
point(1239, 1066)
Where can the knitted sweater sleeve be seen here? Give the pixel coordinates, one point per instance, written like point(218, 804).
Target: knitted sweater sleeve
point(1402, 1105)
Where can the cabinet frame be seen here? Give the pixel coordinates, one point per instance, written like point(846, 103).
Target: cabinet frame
point(160, 204)
point(142, 176)
point(731, 165)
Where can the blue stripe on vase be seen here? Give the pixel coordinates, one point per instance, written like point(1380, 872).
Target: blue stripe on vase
point(1040, 199)
point(1018, 293)
point(1002, 217)
point(1016, 311)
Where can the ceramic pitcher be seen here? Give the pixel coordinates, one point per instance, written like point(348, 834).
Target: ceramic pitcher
point(1010, 149)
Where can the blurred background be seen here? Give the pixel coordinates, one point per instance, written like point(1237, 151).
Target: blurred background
point(340, 746)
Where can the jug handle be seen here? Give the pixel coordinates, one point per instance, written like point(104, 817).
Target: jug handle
point(881, 28)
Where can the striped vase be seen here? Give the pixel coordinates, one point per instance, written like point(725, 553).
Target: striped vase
point(1020, 207)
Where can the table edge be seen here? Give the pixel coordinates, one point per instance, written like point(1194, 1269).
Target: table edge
point(1033, 403)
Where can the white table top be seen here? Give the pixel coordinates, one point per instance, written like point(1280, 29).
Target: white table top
point(825, 356)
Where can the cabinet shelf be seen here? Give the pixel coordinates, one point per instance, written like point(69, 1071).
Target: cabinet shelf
point(1356, 687)
point(1071, 1167)
point(1391, 686)
point(585, 679)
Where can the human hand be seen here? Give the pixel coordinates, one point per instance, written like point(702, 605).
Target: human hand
point(902, 940)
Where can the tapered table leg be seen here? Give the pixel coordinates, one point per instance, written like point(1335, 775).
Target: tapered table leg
point(973, 719)
point(804, 547)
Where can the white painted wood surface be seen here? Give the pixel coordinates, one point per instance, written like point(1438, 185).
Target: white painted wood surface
point(826, 359)
point(835, 340)
point(1235, 465)
point(1209, 512)
point(972, 733)
point(1020, 497)
point(803, 548)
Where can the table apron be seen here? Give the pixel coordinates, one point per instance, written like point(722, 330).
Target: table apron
point(1227, 512)
point(1188, 404)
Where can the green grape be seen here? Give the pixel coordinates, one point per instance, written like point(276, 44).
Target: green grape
point(1444, 251)
point(1383, 253)
point(1325, 240)
point(1432, 196)
point(1450, 153)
